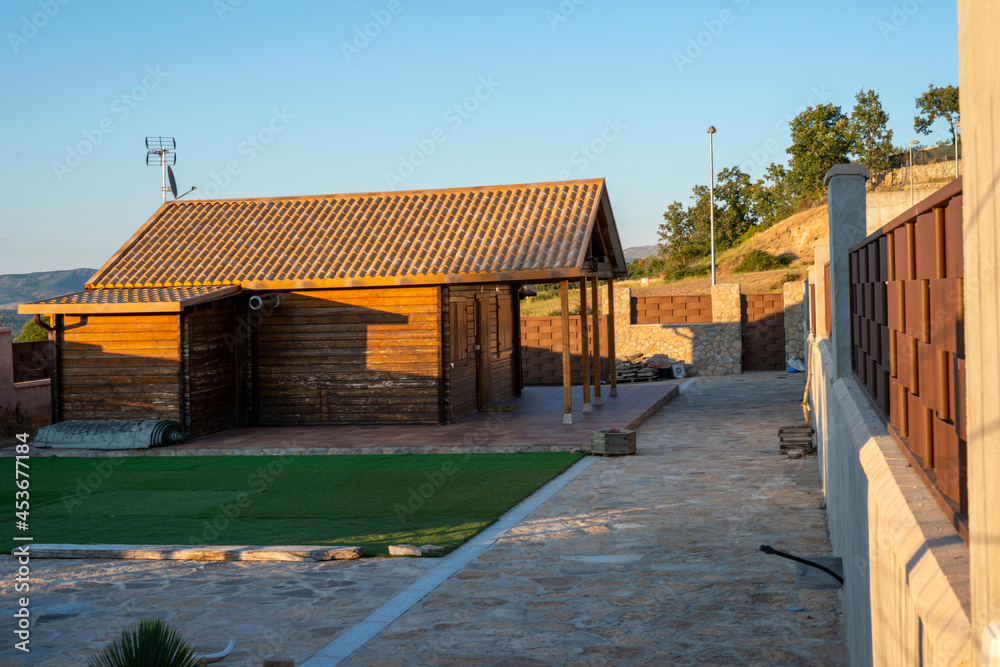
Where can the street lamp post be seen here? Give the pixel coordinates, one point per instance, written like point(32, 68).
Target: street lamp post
point(911, 171)
point(711, 197)
point(954, 130)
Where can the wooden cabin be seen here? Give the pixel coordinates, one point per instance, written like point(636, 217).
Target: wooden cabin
point(393, 307)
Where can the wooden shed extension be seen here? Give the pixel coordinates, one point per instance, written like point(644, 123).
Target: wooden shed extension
point(357, 308)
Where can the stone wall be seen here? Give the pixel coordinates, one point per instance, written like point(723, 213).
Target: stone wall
point(793, 297)
point(705, 349)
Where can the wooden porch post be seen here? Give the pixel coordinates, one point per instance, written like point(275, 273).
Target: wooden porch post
point(567, 396)
point(597, 341)
point(611, 337)
point(584, 347)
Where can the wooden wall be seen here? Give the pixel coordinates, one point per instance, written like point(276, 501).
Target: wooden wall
point(117, 367)
point(467, 389)
point(350, 356)
point(461, 392)
point(209, 367)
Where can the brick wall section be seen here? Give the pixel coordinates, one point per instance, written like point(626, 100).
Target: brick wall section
point(695, 309)
point(709, 348)
point(713, 347)
point(763, 332)
point(31, 360)
point(541, 349)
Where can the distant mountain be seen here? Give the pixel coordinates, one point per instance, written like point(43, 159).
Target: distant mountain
point(638, 252)
point(18, 288)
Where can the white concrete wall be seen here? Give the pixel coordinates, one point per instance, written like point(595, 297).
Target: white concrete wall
point(883, 206)
point(978, 63)
point(906, 593)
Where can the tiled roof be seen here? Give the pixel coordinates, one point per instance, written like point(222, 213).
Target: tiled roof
point(331, 240)
point(128, 300)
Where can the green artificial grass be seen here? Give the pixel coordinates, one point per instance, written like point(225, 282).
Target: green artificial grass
point(367, 501)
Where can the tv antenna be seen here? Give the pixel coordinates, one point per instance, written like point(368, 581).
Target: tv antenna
point(161, 152)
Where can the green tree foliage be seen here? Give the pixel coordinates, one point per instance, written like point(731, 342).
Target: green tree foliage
point(821, 138)
point(32, 332)
point(937, 102)
point(739, 207)
point(684, 231)
point(774, 197)
point(869, 132)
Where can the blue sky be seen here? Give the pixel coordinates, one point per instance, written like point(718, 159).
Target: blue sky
point(298, 98)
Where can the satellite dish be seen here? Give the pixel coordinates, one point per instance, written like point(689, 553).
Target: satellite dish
point(173, 181)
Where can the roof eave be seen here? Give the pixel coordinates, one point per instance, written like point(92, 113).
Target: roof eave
point(176, 306)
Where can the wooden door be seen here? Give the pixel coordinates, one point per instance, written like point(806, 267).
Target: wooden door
point(483, 370)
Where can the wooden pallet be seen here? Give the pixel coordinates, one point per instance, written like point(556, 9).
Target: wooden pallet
point(796, 437)
point(631, 380)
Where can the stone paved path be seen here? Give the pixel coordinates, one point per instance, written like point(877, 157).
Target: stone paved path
point(650, 559)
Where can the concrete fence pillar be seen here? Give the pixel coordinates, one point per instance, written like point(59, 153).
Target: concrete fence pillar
point(845, 185)
point(978, 59)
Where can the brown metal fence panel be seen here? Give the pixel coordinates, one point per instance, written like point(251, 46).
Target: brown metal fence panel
point(694, 309)
point(31, 360)
point(541, 349)
point(763, 320)
point(907, 338)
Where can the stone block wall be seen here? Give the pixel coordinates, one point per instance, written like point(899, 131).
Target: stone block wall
point(714, 348)
point(793, 296)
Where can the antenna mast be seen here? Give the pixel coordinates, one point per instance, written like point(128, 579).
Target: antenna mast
point(160, 153)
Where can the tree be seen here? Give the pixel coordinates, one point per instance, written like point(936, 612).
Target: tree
point(869, 132)
point(32, 332)
point(821, 138)
point(937, 102)
point(684, 231)
point(675, 228)
point(774, 197)
point(734, 192)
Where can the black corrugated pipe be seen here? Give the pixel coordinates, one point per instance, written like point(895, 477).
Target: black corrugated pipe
point(769, 550)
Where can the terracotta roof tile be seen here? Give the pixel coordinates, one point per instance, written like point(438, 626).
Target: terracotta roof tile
point(128, 299)
point(505, 229)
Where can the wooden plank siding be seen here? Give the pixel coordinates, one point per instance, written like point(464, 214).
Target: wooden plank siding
point(499, 351)
point(209, 367)
point(118, 367)
point(461, 390)
point(350, 356)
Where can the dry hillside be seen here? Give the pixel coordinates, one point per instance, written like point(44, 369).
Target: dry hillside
point(792, 236)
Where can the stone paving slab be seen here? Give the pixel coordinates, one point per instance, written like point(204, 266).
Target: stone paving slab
point(650, 559)
point(645, 559)
point(188, 552)
point(272, 609)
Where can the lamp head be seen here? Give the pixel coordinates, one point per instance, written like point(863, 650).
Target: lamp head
point(711, 129)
